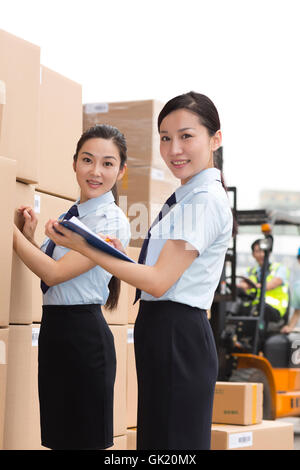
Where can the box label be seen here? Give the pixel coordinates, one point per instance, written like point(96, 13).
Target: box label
point(35, 336)
point(94, 108)
point(2, 352)
point(241, 439)
point(37, 203)
point(130, 335)
point(157, 174)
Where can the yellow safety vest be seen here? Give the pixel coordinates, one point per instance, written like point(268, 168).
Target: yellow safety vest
point(278, 297)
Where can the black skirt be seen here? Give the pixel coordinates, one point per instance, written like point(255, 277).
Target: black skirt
point(76, 374)
point(177, 369)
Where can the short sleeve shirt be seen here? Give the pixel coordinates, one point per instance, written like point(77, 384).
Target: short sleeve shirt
point(101, 215)
point(203, 218)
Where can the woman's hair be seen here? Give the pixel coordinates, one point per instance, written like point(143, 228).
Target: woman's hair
point(107, 132)
point(208, 115)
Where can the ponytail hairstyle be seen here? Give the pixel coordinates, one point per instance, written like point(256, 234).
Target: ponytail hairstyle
point(208, 116)
point(107, 132)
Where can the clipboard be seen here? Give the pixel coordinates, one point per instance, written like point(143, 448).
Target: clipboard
point(93, 239)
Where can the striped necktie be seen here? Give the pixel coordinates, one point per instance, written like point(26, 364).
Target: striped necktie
point(72, 212)
point(165, 209)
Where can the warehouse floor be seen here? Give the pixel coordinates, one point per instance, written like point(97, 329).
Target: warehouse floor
point(296, 423)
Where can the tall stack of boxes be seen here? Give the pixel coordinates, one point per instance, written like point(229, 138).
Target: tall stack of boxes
point(40, 123)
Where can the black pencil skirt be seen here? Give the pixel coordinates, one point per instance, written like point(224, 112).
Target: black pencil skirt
point(76, 374)
point(177, 369)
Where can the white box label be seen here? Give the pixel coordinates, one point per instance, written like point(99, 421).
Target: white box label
point(241, 439)
point(157, 174)
point(2, 352)
point(35, 336)
point(91, 108)
point(37, 203)
point(130, 335)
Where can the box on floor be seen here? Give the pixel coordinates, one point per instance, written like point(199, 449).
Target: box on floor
point(238, 403)
point(131, 439)
point(22, 423)
point(120, 338)
point(120, 443)
point(131, 381)
point(268, 435)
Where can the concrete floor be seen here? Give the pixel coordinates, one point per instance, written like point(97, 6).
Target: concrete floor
point(296, 423)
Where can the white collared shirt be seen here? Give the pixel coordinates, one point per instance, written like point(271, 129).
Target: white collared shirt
point(203, 218)
point(101, 215)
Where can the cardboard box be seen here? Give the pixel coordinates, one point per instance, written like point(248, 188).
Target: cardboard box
point(147, 184)
point(60, 129)
point(4, 335)
point(133, 253)
point(268, 435)
point(132, 389)
point(137, 120)
point(238, 403)
point(120, 339)
point(46, 207)
point(22, 423)
point(119, 316)
point(20, 70)
point(120, 443)
point(21, 276)
point(131, 439)
point(142, 193)
point(7, 195)
point(126, 312)
point(2, 102)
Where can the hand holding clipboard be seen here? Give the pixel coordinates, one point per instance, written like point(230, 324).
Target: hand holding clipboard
point(93, 239)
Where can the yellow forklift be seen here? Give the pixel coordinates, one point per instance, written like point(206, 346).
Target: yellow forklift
point(247, 351)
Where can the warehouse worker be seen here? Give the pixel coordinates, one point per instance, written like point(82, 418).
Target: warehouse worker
point(77, 361)
point(277, 296)
point(295, 303)
point(178, 272)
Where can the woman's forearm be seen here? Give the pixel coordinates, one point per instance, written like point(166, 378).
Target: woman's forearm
point(37, 261)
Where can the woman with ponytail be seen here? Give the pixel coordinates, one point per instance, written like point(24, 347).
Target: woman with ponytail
point(179, 269)
point(77, 361)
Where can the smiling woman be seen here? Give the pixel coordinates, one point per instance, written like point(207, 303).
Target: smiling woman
point(99, 161)
point(77, 361)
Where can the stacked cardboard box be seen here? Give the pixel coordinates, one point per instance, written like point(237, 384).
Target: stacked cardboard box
point(148, 182)
point(40, 123)
point(238, 420)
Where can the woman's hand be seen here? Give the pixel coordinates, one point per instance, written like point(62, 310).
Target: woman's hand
point(27, 222)
point(62, 236)
point(115, 242)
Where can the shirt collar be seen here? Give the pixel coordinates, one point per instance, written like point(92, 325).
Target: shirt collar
point(93, 204)
point(200, 179)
